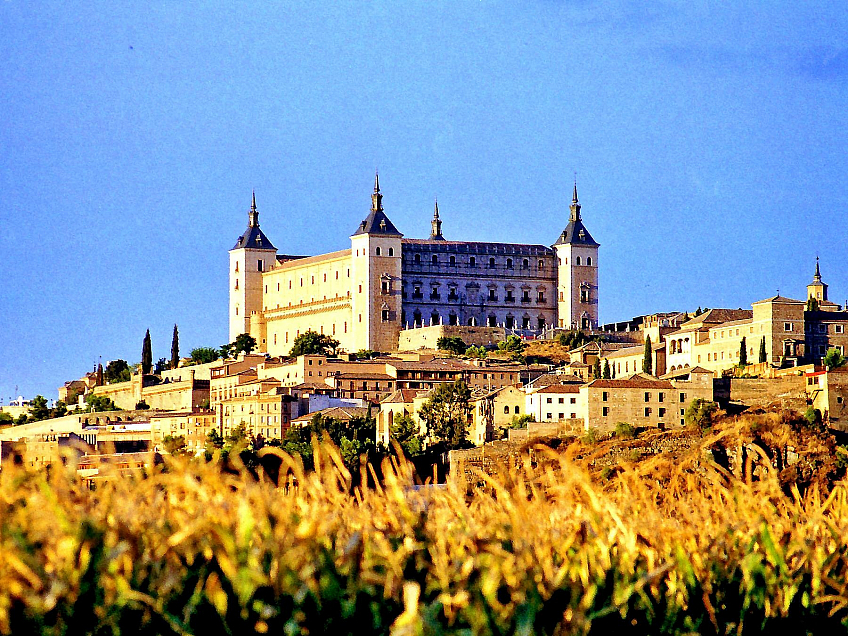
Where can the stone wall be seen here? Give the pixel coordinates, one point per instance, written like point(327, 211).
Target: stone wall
point(427, 337)
point(789, 391)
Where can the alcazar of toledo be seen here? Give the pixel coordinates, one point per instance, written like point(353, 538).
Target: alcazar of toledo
point(385, 284)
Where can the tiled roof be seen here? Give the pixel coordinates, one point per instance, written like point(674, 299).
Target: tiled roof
point(341, 413)
point(575, 233)
point(631, 383)
point(560, 388)
point(254, 238)
point(377, 223)
point(402, 396)
point(779, 299)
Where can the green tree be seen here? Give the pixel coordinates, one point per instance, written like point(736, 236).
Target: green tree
point(60, 410)
point(226, 350)
point(446, 414)
point(407, 433)
point(38, 409)
point(813, 416)
point(477, 352)
point(596, 369)
point(763, 355)
point(146, 354)
point(5, 418)
point(833, 358)
point(100, 403)
point(116, 371)
point(700, 413)
point(174, 445)
point(607, 374)
point(520, 421)
point(313, 343)
point(648, 362)
point(812, 304)
point(743, 352)
point(453, 344)
point(514, 346)
point(244, 342)
point(175, 348)
point(161, 365)
point(625, 430)
point(366, 354)
point(204, 355)
point(141, 405)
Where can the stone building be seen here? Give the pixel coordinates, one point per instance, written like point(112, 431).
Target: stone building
point(384, 283)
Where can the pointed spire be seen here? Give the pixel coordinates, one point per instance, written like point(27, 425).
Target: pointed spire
point(376, 198)
point(817, 275)
point(253, 215)
point(436, 225)
point(575, 204)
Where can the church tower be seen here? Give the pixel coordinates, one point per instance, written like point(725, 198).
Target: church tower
point(817, 290)
point(252, 254)
point(436, 225)
point(376, 279)
point(577, 273)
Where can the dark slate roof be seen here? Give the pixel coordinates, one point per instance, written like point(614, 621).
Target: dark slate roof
point(572, 234)
point(377, 223)
point(254, 238)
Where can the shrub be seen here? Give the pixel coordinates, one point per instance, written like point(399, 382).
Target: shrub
point(453, 344)
point(700, 413)
point(624, 430)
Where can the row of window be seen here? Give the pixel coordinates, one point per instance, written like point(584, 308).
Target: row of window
point(453, 295)
point(510, 321)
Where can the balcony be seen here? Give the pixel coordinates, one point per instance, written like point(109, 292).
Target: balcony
point(417, 296)
point(435, 297)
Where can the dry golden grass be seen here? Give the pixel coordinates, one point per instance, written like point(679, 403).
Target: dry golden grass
point(189, 551)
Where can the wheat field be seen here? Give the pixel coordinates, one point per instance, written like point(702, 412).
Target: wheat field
point(542, 550)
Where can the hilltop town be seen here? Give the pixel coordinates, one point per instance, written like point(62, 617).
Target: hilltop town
point(504, 338)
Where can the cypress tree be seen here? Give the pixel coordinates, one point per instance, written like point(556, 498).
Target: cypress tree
point(607, 375)
point(763, 356)
point(743, 353)
point(146, 354)
point(175, 349)
point(648, 363)
point(596, 369)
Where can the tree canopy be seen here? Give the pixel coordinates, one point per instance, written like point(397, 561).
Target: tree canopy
point(743, 352)
point(175, 348)
point(453, 344)
point(446, 414)
point(116, 371)
point(244, 342)
point(146, 354)
point(313, 343)
point(204, 355)
point(833, 358)
point(648, 362)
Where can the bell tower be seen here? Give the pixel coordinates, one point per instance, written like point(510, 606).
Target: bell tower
point(252, 255)
point(577, 273)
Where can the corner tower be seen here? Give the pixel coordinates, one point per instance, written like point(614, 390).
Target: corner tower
point(817, 290)
point(376, 279)
point(252, 254)
point(577, 273)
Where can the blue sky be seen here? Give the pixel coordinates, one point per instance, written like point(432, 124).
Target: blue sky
point(709, 141)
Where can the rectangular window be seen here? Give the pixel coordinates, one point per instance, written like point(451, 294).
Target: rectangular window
point(787, 326)
point(682, 397)
point(838, 328)
point(647, 411)
point(562, 400)
point(661, 412)
point(549, 400)
point(660, 397)
point(605, 411)
point(604, 396)
point(260, 265)
point(573, 401)
point(647, 396)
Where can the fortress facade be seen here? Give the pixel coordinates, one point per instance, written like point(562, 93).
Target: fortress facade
point(364, 296)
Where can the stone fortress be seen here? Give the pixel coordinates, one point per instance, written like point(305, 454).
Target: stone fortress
point(365, 296)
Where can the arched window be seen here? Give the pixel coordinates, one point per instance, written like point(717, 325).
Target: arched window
point(472, 322)
point(525, 264)
point(453, 260)
point(472, 262)
point(391, 251)
point(509, 263)
point(492, 321)
point(491, 263)
point(506, 410)
point(589, 261)
point(577, 262)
